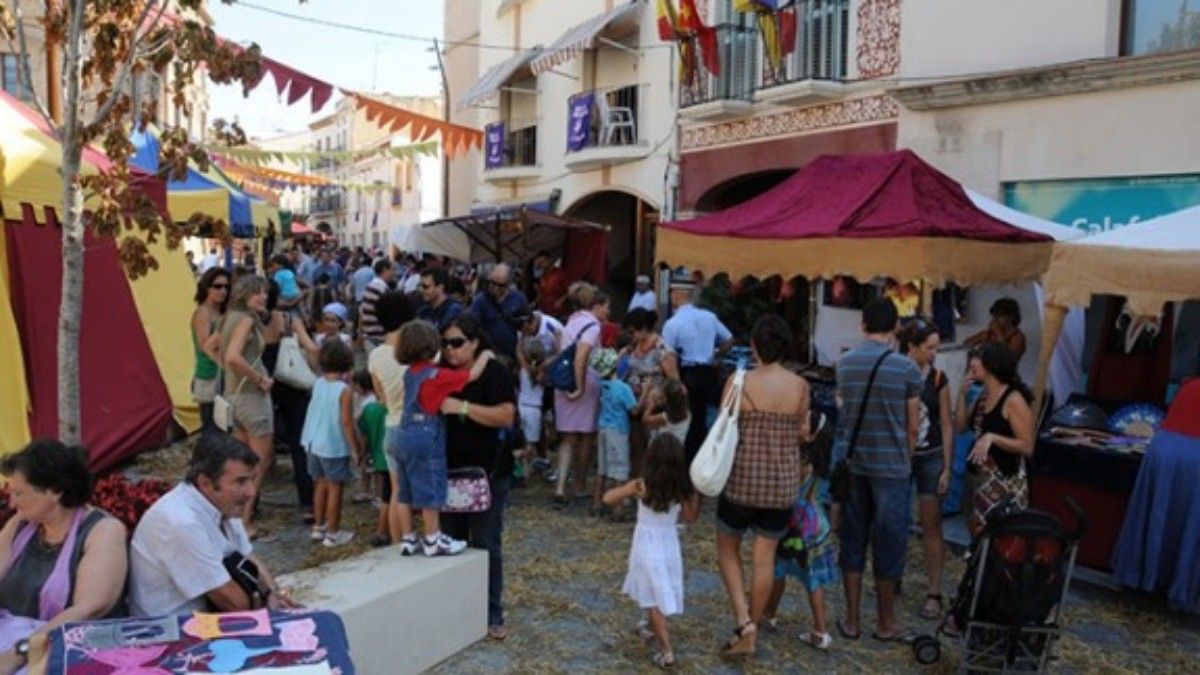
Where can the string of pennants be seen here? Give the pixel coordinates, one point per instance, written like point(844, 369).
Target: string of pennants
point(276, 179)
point(258, 157)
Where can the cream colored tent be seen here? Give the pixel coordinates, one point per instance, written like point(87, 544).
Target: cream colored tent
point(1150, 263)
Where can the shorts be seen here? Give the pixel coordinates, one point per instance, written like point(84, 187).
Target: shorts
point(419, 454)
point(878, 513)
point(926, 469)
point(253, 412)
point(613, 455)
point(735, 519)
point(531, 423)
point(204, 391)
point(333, 469)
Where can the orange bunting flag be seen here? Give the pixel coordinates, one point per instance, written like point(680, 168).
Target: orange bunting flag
point(706, 36)
point(456, 139)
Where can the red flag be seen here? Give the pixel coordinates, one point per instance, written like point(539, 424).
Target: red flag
point(667, 21)
point(787, 31)
point(689, 20)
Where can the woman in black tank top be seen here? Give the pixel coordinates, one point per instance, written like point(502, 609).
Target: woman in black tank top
point(1006, 435)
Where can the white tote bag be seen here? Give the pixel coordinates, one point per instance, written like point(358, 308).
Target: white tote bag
point(291, 368)
point(710, 469)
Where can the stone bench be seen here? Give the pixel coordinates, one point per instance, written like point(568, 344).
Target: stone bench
point(402, 615)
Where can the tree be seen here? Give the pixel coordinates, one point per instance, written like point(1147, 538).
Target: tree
point(106, 47)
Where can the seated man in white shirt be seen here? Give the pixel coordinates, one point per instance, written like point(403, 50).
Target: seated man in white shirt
point(178, 553)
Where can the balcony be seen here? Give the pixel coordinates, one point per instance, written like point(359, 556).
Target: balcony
point(606, 127)
point(712, 98)
point(325, 204)
point(511, 151)
point(815, 66)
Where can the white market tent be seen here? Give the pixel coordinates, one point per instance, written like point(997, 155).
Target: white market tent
point(441, 240)
point(1150, 263)
point(1023, 220)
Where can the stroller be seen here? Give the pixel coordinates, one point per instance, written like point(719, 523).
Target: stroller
point(1010, 600)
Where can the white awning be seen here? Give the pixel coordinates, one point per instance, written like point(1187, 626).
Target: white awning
point(496, 77)
point(616, 23)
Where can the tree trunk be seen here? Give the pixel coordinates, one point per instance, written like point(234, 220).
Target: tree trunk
point(70, 310)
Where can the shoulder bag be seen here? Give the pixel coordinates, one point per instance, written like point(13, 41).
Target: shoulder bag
point(839, 478)
point(291, 366)
point(468, 490)
point(713, 462)
point(561, 375)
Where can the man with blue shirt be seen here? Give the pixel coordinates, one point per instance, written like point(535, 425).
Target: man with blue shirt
point(695, 335)
point(439, 308)
point(362, 276)
point(878, 510)
point(327, 265)
point(496, 308)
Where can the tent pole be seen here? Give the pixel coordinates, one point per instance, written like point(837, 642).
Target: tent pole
point(1052, 324)
point(813, 285)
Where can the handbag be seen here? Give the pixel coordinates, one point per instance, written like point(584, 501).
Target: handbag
point(291, 367)
point(839, 477)
point(994, 488)
point(561, 375)
point(808, 527)
point(467, 490)
point(713, 462)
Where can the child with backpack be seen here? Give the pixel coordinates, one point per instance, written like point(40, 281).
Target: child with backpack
point(665, 498)
point(807, 551)
point(331, 441)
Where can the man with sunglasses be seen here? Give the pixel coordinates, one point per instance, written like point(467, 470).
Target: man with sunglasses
point(497, 307)
point(439, 308)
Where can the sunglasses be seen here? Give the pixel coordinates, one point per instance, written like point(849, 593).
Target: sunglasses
point(220, 287)
point(426, 287)
point(454, 343)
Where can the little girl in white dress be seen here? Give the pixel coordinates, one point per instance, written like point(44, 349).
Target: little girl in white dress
point(655, 578)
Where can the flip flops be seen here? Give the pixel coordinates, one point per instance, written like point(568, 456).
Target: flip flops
point(905, 636)
point(847, 635)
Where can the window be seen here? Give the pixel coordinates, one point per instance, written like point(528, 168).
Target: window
point(10, 77)
point(1155, 26)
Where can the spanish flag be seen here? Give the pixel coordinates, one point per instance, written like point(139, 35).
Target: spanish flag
point(706, 36)
point(667, 21)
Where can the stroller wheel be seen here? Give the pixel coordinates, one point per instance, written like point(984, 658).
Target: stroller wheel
point(927, 649)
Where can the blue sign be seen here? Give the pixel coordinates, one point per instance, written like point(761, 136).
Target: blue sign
point(579, 121)
point(1103, 204)
point(494, 152)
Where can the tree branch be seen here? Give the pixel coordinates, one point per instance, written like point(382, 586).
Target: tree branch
point(127, 66)
point(27, 72)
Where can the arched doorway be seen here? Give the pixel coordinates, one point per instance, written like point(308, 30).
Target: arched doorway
point(740, 189)
point(630, 241)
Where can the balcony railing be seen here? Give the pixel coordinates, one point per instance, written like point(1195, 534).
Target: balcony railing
point(819, 49)
point(325, 204)
point(606, 117)
point(511, 143)
point(738, 51)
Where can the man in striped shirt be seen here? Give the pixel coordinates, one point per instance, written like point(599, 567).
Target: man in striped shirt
point(369, 328)
point(879, 507)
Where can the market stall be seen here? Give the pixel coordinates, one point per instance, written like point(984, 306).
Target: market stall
point(124, 399)
point(1140, 271)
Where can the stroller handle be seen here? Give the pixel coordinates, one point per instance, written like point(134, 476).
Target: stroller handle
point(1081, 519)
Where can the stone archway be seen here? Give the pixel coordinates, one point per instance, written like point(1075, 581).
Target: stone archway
point(740, 189)
point(631, 238)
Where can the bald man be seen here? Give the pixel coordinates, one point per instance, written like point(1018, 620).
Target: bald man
point(497, 306)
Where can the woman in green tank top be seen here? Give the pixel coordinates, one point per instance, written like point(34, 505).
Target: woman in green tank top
point(212, 296)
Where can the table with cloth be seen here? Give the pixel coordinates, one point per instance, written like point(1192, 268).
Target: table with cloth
point(1159, 544)
point(295, 642)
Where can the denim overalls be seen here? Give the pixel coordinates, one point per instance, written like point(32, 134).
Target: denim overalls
point(420, 448)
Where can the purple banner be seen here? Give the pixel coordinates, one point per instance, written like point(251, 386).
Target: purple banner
point(494, 157)
point(579, 121)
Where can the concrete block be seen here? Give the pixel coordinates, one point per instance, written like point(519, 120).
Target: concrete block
point(403, 615)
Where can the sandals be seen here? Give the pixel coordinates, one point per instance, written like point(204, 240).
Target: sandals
point(847, 635)
point(742, 642)
point(904, 636)
point(818, 641)
point(925, 611)
point(664, 660)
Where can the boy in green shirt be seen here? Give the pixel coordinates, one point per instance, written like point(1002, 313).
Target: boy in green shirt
point(373, 430)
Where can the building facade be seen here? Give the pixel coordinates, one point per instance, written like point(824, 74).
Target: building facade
point(745, 130)
point(578, 103)
point(387, 192)
point(1085, 117)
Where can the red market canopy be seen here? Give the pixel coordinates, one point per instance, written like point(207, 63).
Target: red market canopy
point(865, 216)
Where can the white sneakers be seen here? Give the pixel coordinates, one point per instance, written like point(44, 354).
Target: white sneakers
point(336, 539)
point(442, 544)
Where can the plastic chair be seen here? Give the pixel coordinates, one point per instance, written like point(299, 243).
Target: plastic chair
point(614, 119)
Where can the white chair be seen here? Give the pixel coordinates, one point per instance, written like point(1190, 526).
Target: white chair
point(613, 120)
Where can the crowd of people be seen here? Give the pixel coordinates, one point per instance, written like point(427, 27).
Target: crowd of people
point(435, 402)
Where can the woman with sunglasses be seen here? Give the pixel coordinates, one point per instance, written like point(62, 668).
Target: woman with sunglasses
point(212, 297)
point(474, 420)
point(933, 458)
